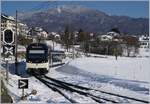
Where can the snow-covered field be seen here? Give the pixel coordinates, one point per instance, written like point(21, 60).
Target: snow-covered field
point(124, 68)
point(125, 76)
point(57, 46)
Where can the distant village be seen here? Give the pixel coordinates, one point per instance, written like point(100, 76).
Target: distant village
point(108, 41)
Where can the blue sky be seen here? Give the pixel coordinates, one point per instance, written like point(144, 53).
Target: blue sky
point(126, 8)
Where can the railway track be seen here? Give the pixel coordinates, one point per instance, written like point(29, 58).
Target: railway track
point(90, 89)
point(60, 86)
point(55, 89)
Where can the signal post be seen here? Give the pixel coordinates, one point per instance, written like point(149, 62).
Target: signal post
point(8, 47)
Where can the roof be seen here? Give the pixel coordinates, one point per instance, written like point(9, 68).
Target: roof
point(7, 17)
point(108, 36)
point(144, 38)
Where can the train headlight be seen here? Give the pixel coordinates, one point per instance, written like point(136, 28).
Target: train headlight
point(30, 62)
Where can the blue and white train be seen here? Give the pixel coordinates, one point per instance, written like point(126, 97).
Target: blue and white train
point(37, 60)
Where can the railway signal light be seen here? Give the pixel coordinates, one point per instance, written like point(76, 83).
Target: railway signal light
point(8, 36)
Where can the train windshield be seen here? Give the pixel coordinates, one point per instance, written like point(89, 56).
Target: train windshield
point(37, 56)
point(37, 53)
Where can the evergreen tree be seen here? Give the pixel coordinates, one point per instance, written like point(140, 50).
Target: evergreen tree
point(81, 36)
point(115, 30)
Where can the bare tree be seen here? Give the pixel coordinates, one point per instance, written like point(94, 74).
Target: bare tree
point(131, 44)
point(67, 38)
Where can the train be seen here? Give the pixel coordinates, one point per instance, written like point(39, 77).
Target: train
point(57, 56)
point(37, 58)
point(40, 57)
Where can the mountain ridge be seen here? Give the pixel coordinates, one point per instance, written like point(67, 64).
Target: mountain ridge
point(90, 20)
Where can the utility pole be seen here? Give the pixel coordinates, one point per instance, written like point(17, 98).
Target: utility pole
point(53, 42)
point(16, 44)
point(7, 69)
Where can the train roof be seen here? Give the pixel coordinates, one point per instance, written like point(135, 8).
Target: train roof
point(37, 44)
point(57, 51)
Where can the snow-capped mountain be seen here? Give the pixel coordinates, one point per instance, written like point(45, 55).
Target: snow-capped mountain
point(56, 19)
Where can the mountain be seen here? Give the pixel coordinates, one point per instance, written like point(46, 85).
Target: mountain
point(90, 20)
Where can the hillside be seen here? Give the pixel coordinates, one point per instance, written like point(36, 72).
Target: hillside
point(56, 19)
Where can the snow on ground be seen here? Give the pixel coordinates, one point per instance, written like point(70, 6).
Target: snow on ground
point(44, 94)
point(57, 46)
point(103, 83)
point(144, 52)
point(123, 68)
point(77, 76)
point(129, 73)
point(125, 76)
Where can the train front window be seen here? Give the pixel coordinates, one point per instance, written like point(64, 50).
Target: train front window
point(37, 55)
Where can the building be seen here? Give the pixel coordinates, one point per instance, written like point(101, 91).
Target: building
point(113, 34)
point(9, 22)
point(110, 36)
point(144, 41)
point(106, 38)
point(44, 34)
point(55, 35)
point(23, 29)
point(37, 32)
point(38, 29)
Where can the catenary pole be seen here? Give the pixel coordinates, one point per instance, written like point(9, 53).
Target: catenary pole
point(16, 45)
